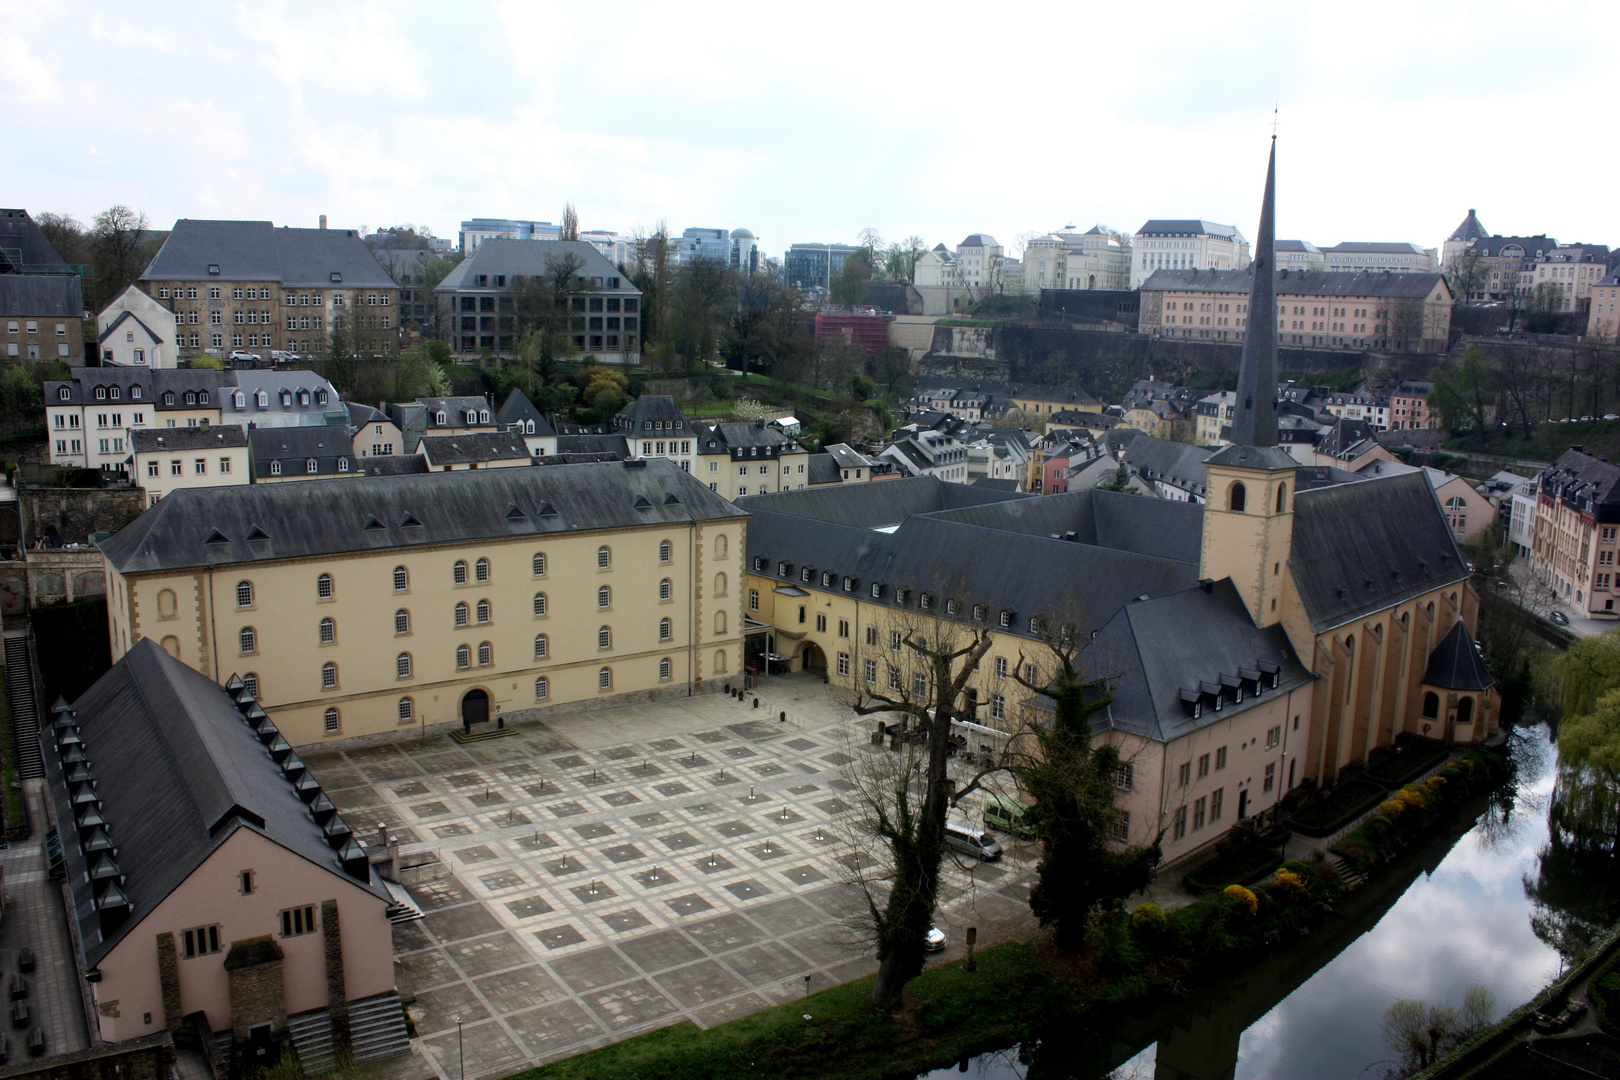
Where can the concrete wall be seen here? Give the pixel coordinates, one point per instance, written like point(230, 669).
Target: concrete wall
point(70, 515)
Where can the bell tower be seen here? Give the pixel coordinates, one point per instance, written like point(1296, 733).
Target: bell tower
point(1249, 515)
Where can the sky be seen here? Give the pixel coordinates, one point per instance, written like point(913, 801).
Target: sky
point(810, 122)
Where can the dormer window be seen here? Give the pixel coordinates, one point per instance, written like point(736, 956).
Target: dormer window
point(191, 397)
point(783, 569)
point(950, 607)
point(1035, 625)
point(261, 399)
point(320, 397)
point(978, 613)
point(1198, 708)
point(101, 393)
point(202, 397)
point(877, 590)
point(759, 562)
point(483, 416)
point(309, 465)
point(440, 418)
point(926, 602)
point(805, 574)
point(213, 268)
point(63, 393)
point(849, 584)
point(303, 397)
point(826, 579)
point(114, 392)
point(286, 398)
point(135, 391)
point(168, 397)
point(239, 400)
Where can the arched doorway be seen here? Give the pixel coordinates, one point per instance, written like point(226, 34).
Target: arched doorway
point(811, 658)
point(1465, 711)
point(474, 708)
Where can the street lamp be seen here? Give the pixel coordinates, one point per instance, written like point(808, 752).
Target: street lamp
point(461, 1058)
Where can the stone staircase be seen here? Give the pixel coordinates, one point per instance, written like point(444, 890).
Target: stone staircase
point(376, 1031)
point(1349, 876)
point(311, 1034)
point(483, 734)
point(24, 707)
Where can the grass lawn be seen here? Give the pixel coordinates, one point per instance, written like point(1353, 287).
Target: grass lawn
point(952, 1013)
point(1547, 441)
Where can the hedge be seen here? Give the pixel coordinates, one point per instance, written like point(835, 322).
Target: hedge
point(1409, 760)
point(1242, 865)
point(1336, 808)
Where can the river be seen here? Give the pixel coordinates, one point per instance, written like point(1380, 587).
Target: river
point(1486, 906)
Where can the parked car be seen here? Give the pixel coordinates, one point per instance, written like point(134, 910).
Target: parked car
point(1006, 815)
point(971, 841)
point(1560, 618)
point(935, 941)
point(239, 354)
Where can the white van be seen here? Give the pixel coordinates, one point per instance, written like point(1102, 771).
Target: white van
point(971, 841)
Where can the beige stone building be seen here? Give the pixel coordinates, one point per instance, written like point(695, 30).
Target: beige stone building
point(748, 458)
point(1603, 319)
point(249, 286)
point(484, 450)
point(1575, 536)
point(1323, 310)
point(1574, 269)
point(387, 603)
point(167, 460)
point(1185, 244)
point(42, 317)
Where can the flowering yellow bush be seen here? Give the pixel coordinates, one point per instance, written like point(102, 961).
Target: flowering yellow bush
point(1245, 898)
point(1436, 785)
point(1149, 917)
point(1291, 885)
point(1412, 797)
point(1391, 809)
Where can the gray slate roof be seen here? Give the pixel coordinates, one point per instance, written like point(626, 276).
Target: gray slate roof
point(1160, 655)
point(1363, 547)
point(20, 235)
point(1159, 527)
point(740, 437)
point(291, 398)
point(258, 251)
point(331, 447)
point(128, 316)
point(178, 772)
point(477, 447)
point(217, 437)
point(877, 505)
point(1175, 463)
point(653, 415)
point(1470, 229)
point(531, 258)
point(823, 469)
point(594, 444)
point(394, 465)
point(150, 384)
point(1456, 664)
point(384, 512)
point(456, 410)
point(518, 409)
point(1327, 283)
point(1186, 227)
point(1359, 247)
point(43, 296)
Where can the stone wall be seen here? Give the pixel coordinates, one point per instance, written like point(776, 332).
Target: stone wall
point(58, 575)
point(58, 516)
point(257, 991)
point(147, 1058)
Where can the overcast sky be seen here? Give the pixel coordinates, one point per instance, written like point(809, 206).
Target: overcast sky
point(808, 122)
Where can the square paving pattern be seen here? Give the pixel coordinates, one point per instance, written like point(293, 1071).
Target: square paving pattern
point(590, 896)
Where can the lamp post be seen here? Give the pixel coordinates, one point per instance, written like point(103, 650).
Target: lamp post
point(461, 1058)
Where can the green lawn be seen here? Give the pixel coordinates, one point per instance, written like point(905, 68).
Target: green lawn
point(955, 1013)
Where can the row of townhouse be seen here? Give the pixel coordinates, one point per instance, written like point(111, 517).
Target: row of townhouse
point(1574, 541)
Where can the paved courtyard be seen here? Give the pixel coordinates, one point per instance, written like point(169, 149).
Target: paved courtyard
point(611, 874)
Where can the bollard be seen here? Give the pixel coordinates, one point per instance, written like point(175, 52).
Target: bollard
point(971, 964)
point(593, 887)
point(711, 858)
point(781, 717)
point(784, 813)
point(750, 792)
point(767, 847)
point(564, 864)
point(756, 703)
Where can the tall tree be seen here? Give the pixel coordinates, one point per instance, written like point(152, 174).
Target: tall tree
point(1468, 274)
point(67, 236)
point(1462, 392)
point(117, 237)
point(1542, 307)
point(570, 223)
point(849, 284)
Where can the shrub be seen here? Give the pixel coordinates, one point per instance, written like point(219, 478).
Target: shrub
point(1243, 898)
point(1390, 809)
point(1149, 919)
point(1245, 862)
point(1412, 797)
point(1335, 808)
point(1291, 886)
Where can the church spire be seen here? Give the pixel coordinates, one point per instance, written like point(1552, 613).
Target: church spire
point(1255, 421)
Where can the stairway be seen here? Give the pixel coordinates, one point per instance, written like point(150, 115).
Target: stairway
point(1349, 876)
point(402, 909)
point(24, 708)
point(311, 1034)
point(377, 1027)
point(481, 735)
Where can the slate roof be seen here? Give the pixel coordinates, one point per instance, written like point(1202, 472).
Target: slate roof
point(394, 465)
point(652, 414)
point(594, 444)
point(1186, 227)
point(1359, 247)
point(1343, 436)
point(330, 446)
point(1532, 246)
point(1159, 527)
point(1327, 283)
point(215, 437)
point(1360, 548)
point(22, 237)
point(740, 438)
point(1161, 655)
point(258, 251)
point(361, 415)
point(384, 512)
point(877, 506)
point(477, 447)
point(1470, 229)
point(531, 258)
point(823, 469)
point(1585, 483)
point(1455, 663)
point(292, 398)
point(1173, 463)
point(1269, 458)
point(456, 410)
point(177, 772)
point(152, 384)
point(41, 296)
point(518, 409)
point(978, 240)
point(846, 457)
point(129, 316)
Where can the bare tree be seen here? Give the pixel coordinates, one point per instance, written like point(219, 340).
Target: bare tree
point(570, 223)
point(117, 236)
point(1468, 274)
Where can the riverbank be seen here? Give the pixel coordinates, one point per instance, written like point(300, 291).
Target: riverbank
point(1025, 988)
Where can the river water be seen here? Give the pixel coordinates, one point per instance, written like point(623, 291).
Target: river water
point(1484, 908)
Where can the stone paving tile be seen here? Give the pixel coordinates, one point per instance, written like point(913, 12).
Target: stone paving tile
point(725, 932)
point(632, 1004)
point(486, 954)
point(662, 950)
point(458, 923)
point(554, 1027)
point(625, 921)
point(588, 970)
point(520, 988)
point(484, 1049)
point(700, 983)
point(441, 1005)
point(428, 968)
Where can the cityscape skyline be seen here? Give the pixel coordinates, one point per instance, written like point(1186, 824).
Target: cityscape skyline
point(379, 116)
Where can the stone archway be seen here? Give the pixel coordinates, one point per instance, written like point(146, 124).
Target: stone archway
point(811, 658)
point(474, 708)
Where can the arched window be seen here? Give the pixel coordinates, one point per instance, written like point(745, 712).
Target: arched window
point(719, 622)
point(666, 630)
point(334, 723)
point(166, 604)
point(604, 638)
point(461, 614)
point(1431, 705)
point(542, 688)
point(539, 564)
point(665, 589)
point(604, 557)
point(250, 680)
point(486, 654)
point(1236, 496)
point(483, 611)
point(463, 656)
point(539, 605)
point(1282, 498)
point(719, 661)
point(604, 597)
point(481, 570)
point(720, 584)
point(171, 645)
point(310, 465)
point(402, 621)
point(402, 579)
point(244, 594)
point(402, 665)
point(459, 572)
point(323, 587)
point(1465, 710)
point(328, 631)
point(665, 668)
point(542, 647)
point(666, 551)
point(604, 679)
point(407, 710)
point(248, 640)
point(721, 543)
point(329, 676)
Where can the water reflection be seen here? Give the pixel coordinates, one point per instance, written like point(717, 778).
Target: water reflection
point(1502, 907)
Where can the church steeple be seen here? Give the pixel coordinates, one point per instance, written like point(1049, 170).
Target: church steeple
point(1255, 421)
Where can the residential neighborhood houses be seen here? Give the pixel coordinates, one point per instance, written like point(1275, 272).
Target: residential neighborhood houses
point(344, 495)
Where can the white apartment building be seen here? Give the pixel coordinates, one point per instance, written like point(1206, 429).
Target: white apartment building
point(1299, 255)
point(1354, 255)
point(1575, 269)
point(1068, 259)
point(979, 262)
point(1186, 244)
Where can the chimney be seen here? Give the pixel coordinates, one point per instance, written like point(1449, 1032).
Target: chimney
point(323, 221)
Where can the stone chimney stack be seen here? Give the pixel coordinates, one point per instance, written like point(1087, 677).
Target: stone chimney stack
point(323, 221)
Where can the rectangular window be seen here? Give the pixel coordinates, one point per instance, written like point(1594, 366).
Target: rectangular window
point(1125, 779)
point(1184, 775)
point(998, 707)
point(224, 464)
point(1271, 775)
point(843, 664)
point(1203, 766)
point(200, 941)
point(1216, 797)
point(1198, 814)
point(1220, 759)
point(869, 669)
point(821, 623)
point(872, 635)
point(201, 466)
point(1179, 829)
point(894, 641)
point(1273, 737)
point(298, 920)
point(843, 628)
point(1119, 829)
